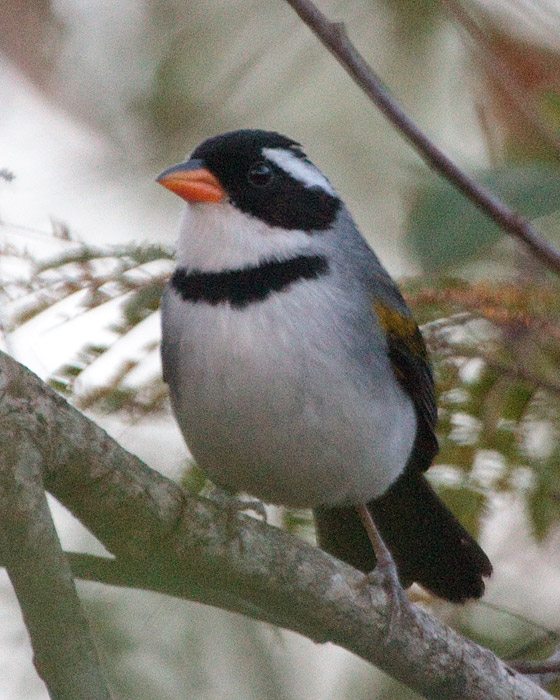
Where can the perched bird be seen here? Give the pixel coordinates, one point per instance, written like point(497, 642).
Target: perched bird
point(296, 371)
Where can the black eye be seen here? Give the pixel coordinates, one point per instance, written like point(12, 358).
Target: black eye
point(260, 174)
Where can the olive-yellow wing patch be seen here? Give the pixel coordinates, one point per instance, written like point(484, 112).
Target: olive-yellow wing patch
point(409, 359)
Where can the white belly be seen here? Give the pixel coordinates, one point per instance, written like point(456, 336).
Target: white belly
point(273, 400)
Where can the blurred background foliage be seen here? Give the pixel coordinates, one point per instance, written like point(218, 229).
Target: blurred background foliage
point(100, 96)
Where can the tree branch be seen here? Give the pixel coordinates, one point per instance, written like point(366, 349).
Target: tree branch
point(128, 574)
point(65, 656)
point(545, 673)
point(334, 37)
point(157, 528)
point(537, 667)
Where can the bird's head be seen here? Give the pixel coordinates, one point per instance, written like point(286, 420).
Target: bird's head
point(250, 194)
point(261, 173)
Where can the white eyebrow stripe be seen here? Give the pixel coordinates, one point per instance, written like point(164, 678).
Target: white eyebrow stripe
point(305, 172)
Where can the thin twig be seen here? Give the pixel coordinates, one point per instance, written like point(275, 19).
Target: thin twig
point(536, 667)
point(334, 38)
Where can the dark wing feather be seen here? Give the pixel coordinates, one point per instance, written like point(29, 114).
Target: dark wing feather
point(409, 358)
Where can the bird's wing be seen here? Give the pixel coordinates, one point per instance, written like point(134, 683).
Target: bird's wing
point(169, 349)
point(409, 359)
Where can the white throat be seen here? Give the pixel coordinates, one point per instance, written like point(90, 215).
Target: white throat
point(214, 237)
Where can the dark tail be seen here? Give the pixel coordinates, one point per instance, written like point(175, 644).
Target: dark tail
point(427, 542)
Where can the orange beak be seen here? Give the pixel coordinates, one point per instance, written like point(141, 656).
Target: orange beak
point(192, 182)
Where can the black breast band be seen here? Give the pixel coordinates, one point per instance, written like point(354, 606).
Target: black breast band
point(246, 285)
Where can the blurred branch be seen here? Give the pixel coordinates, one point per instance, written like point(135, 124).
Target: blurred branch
point(538, 667)
point(128, 574)
point(22, 20)
point(334, 37)
point(65, 656)
point(501, 73)
point(153, 525)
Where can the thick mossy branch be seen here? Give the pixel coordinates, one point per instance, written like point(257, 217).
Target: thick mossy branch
point(151, 524)
point(65, 655)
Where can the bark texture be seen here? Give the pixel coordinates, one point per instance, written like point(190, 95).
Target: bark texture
point(169, 540)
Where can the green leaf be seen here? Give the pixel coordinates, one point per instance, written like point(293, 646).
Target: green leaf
point(550, 104)
point(544, 510)
point(193, 478)
point(468, 505)
point(445, 230)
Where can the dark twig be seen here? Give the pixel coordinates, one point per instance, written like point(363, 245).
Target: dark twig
point(334, 38)
point(536, 667)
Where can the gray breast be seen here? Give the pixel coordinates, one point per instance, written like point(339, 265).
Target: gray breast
point(291, 399)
